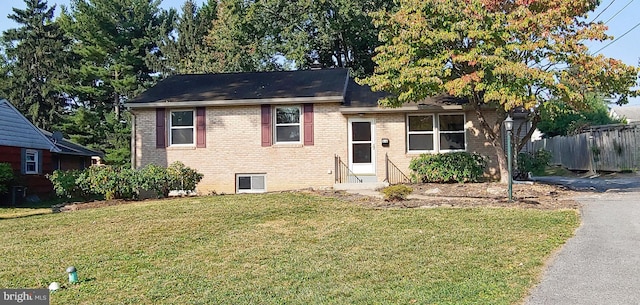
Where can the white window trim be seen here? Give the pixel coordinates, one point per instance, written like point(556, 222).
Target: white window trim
point(252, 190)
point(192, 127)
point(436, 133)
point(463, 132)
point(35, 160)
point(300, 125)
point(432, 132)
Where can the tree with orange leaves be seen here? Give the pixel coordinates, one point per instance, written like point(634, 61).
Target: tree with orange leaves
point(503, 54)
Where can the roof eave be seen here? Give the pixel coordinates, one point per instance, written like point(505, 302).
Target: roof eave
point(404, 108)
point(238, 102)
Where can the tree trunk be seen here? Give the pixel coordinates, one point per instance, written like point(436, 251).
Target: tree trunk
point(492, 134)
point(502, 162)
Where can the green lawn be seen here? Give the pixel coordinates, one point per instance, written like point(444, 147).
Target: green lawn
point(282, 249)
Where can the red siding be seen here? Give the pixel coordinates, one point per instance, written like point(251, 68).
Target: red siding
point(11, 155)
point(36, 184)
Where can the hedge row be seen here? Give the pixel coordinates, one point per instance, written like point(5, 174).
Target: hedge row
point(124, 183)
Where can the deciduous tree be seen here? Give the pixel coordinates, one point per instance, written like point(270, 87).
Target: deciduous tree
point(558, 118)
point(501, 54)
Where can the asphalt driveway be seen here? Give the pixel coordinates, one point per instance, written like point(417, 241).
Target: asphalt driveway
point(601, 263)
point(599, 184)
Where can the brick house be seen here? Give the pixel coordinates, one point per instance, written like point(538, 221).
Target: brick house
point(272, 131)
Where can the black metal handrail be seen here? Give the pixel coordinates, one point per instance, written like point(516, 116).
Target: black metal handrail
point(393, 175)
point(343, 173)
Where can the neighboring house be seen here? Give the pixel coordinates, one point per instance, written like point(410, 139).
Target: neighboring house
point(272, 131)
point(71, 156)
point(32, 154)
point(630, 113)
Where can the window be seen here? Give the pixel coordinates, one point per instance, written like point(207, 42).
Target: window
point(31, 161)
point(451, 131)
point(287, 124)
point(250, 183)
point(181, 127)
point(436, 133)
point(420, 133)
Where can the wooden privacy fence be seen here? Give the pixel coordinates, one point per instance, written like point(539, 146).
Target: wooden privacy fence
point(599, 148)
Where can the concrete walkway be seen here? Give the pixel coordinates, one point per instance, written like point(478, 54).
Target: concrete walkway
point(601, 263)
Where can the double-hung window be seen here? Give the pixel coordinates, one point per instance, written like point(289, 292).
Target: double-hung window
point(420, 132)
point(287, 124)
point(435, 133)
point(182, 128)
point(31, 161)
point(451, 129)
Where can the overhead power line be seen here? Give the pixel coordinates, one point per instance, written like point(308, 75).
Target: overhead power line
point(594, 19)
point(625, 33)
point(618, 12)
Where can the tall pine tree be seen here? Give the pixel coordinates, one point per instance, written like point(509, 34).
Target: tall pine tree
point(35, 64)
point(111, 40)
point(183, 49)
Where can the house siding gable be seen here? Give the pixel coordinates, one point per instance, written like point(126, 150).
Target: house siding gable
point(16, 130)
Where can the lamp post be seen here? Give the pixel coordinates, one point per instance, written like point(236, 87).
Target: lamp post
point(508, 126)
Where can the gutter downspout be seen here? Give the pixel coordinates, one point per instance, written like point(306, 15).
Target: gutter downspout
point(133, 140)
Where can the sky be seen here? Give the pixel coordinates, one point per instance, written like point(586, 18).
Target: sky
point(619, 15)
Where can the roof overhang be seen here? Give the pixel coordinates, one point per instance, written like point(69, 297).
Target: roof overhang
point(403, 108)
point(241, 102)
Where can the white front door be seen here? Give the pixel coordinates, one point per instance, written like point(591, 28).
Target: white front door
point(362, 146)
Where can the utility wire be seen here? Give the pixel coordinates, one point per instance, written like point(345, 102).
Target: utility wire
point(594, 19)
point(618, 12)
point(625, 33)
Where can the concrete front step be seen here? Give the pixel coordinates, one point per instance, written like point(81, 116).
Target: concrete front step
point(359, 186)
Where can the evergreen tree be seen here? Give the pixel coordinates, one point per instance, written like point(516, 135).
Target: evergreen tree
point(35, 64)
point(336, 33)
point(238, 40)
point(183, 49)
point(111, 40)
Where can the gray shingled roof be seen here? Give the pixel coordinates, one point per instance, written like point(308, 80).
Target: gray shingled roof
point(17, 131)
point(246, 85)
point(69, 148)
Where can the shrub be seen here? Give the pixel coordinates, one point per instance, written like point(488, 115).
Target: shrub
point(155, 179)
point(182, 177)
point(396, 192)
point(449, 167)
point(535, 162)
point(65, 184)
point(6, 175)
point(123, 182)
